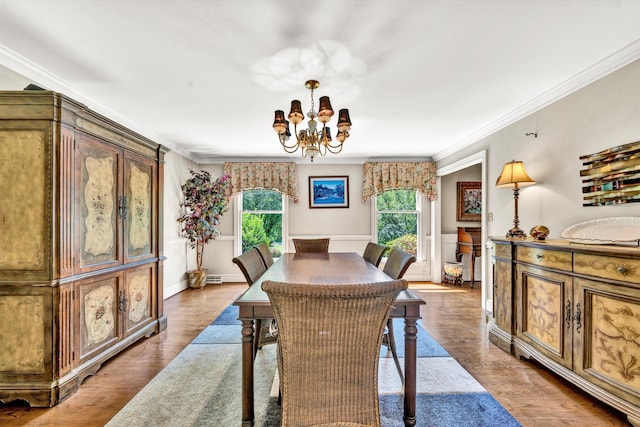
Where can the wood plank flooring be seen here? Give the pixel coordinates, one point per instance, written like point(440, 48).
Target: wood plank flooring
point(452, 316)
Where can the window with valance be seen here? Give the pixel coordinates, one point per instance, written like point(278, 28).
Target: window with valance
point(279, 176)
point(382, 176)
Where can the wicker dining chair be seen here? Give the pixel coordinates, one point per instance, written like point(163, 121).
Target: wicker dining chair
point(398, 261)
point(397, 264)
point(265, 253)
point(329, 344)
point(373, 253)
point(252, 267)
point(311, 245)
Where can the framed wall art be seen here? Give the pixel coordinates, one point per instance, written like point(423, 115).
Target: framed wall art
point(328, 191)
point(469, 201)
point(611, 176)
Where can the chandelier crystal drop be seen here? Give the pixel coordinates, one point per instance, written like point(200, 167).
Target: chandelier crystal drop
point(312, 141)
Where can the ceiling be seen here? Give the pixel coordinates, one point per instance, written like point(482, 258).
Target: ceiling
point(420, 78)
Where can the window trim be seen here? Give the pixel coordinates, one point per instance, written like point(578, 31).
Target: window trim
point(237, 214)
point(420, 240)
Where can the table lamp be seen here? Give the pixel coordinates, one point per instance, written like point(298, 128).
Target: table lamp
point(514, 176)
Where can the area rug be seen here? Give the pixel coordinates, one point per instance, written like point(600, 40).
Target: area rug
point(202, 386)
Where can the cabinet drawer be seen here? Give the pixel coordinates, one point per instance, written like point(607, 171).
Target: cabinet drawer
point(544, 257)
point(623, 269)
point(502, 251)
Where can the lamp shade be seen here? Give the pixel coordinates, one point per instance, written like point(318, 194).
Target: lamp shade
point(344, 121)
point(325, 111)
point(295, 115)
point(514, 174)
point(326, 134)
point(280, 125)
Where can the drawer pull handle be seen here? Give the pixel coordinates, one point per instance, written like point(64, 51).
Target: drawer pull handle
point(539, 256)
point(567, 317)
point(123, 207)
point(621, 269)
point(577, 317)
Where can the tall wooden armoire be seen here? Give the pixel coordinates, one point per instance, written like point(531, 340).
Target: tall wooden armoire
point(80, 243)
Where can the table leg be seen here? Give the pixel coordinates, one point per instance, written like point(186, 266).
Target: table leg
point(247, 373)
point(410, 371)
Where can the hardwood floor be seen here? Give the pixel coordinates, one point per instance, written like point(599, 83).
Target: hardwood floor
point(452, 316)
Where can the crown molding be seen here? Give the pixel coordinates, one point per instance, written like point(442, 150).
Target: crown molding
point(51, 81)
point(608, 65)
point(614, 62)
point(299, 160)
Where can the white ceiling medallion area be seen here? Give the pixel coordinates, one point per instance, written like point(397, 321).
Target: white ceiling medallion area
point(328, 61)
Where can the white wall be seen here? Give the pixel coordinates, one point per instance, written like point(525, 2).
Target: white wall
point(180, 258)
point(349, 229)
point(601, 115)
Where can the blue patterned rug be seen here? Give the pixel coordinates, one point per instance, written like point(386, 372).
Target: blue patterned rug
point(201, 386)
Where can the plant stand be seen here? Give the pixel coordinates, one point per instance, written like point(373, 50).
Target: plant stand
point(453, 273)
point(197, 279)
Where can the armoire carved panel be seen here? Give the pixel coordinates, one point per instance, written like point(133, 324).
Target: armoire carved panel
point(80, 257)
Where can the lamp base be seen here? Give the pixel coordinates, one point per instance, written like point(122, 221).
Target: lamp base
point(516, 233)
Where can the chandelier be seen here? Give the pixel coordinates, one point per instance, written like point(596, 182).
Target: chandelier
point(311, 141)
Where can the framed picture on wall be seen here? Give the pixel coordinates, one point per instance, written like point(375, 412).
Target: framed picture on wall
point(328, 191)
point(469, 201)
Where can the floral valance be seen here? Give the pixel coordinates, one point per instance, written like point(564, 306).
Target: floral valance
point(281, 177)
point(382, 176)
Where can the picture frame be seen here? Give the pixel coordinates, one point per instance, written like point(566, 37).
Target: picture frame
point(469, 201)
point(328, 192)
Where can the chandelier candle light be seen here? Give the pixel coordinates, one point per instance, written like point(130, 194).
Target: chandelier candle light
point(311, 141)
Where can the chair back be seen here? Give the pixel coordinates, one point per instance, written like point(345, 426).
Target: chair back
point(311, 245)
point(373, 253)
point(251, 265)
point(265, 253)
point(397, 263)
point(329, 345)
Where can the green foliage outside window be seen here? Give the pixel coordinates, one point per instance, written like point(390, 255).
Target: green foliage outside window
point(253, 231)
point(261, 200)
point(398, 219)
point(394, 200)
point(262, 220)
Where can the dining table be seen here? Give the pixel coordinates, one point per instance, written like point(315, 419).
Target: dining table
point(322, 269)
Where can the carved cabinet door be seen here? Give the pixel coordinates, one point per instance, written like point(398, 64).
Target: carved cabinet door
point(607, 336)
point(25, 208)
point(98, 205)
point(139, 203)
point(544, 301)
point(99, 313)
point(503, 298)
point(139, 295)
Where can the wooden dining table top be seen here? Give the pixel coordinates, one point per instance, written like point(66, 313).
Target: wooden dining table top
point(321, 268)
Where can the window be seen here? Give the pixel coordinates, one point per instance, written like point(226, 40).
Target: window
point(261, 216)
point(398, 219)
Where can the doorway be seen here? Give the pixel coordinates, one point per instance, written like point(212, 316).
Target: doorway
point(444, 221)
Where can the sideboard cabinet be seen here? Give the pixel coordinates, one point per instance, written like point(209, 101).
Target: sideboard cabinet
point(80, 244)
point(575, 309)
